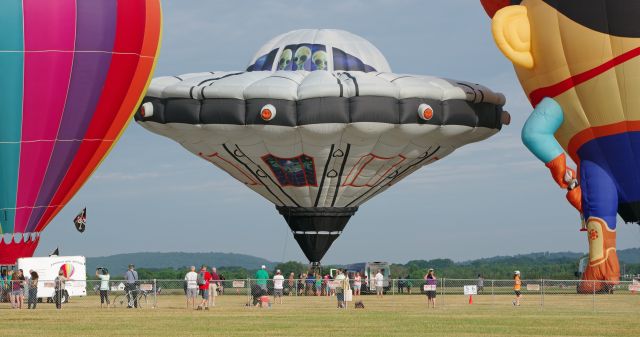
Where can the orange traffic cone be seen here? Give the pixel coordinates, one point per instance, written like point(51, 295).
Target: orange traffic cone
point(470, 299)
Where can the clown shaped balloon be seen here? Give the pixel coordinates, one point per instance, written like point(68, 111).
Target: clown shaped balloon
point(318, 125)
point(73, 72)
point(578, 63)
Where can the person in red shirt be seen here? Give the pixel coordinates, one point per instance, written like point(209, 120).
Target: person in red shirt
point(204, 277)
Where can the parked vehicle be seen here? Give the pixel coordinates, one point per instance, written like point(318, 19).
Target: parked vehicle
point(368, 271)
point(48, 268)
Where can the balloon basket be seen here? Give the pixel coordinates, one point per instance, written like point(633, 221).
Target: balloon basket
point(315, 267)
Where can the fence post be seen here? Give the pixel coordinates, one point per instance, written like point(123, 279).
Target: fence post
point(155, 293)
point(444, 290)
point(493, 294)
point(542, 293)
point(249, 293)
point(393, 287)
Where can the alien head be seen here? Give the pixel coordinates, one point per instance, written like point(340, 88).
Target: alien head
point(285, 59)
point(302, 55)
point(319, 58)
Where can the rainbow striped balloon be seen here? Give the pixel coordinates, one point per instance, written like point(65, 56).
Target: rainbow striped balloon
point(67, 268)
point(73, 72)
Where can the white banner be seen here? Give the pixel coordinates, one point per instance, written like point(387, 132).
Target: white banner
point(429, 287)
point(471, 290)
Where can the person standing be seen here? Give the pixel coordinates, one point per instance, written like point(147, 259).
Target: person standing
point(291, 284)
point(25, 284)
point(3, 285)
point(431, 282)
point(517, 283)
point(357, 284)
point(318, 285)
point(214, 285)
point(261, 278)
point(325, 282)
point(17, 289)
point(301, 283)
point(59, 286)
point(480, 284)
point(401, 284)
point(131, 286)
point(340, 288)
point(221, 285)
point(408, 284)
point(278, 286)
point(204, 278)
point(32, 300)
point(9, 287)
point(309, 283)
point(191, 282)
point(103, 275)
point(379, 282)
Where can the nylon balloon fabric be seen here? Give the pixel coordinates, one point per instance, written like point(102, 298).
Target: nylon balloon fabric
point(73, 73)
point(319, 138)
point(579, 64)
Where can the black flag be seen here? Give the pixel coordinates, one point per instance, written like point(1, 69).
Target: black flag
point(55, 252)
point(81, 220)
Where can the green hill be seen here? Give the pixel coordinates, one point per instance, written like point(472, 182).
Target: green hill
point(117, 264)
point(631, 255)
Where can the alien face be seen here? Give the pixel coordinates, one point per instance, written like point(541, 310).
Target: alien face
point(319, 58)
point(302, 55)
point(285, 59)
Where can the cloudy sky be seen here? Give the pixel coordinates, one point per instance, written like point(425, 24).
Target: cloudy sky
point(486, 199)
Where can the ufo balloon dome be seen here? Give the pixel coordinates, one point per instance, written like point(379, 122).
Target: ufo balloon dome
point(318, 124)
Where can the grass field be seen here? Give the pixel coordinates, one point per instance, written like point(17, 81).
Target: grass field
point(563, 315)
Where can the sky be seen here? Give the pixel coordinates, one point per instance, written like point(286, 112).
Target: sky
point(486, 199)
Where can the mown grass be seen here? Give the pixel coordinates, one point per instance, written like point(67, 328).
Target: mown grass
point(563, 315)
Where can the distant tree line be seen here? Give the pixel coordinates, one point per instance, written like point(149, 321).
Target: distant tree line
point(531, 267)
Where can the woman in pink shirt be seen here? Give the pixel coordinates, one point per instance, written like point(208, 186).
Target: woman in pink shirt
point(357, 283)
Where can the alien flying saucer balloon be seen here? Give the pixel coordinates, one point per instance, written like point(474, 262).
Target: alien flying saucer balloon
point(318, 124)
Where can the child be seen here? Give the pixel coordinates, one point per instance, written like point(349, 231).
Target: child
point(516, 287)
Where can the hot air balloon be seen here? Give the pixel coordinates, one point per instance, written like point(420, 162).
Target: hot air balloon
point(67, 270)
point(73, 72)
point(318, 124)
point(578, 63)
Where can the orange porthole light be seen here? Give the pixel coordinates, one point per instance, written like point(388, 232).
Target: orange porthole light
point(146, 110)
point(425, 111)
point(268, 112)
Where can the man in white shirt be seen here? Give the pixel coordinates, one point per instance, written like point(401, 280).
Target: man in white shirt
point(278, 286)
point(340, 287)
point(191, 280)
point(379, 282)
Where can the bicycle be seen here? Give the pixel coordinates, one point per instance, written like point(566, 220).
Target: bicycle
point(126, 298)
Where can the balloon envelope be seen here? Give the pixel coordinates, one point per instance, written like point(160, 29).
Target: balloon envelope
point(319, 141)
point(73, 73)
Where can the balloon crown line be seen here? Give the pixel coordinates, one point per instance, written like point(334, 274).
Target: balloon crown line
point(16, 238)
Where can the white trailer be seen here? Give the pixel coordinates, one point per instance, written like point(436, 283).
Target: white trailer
point(48, 268)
